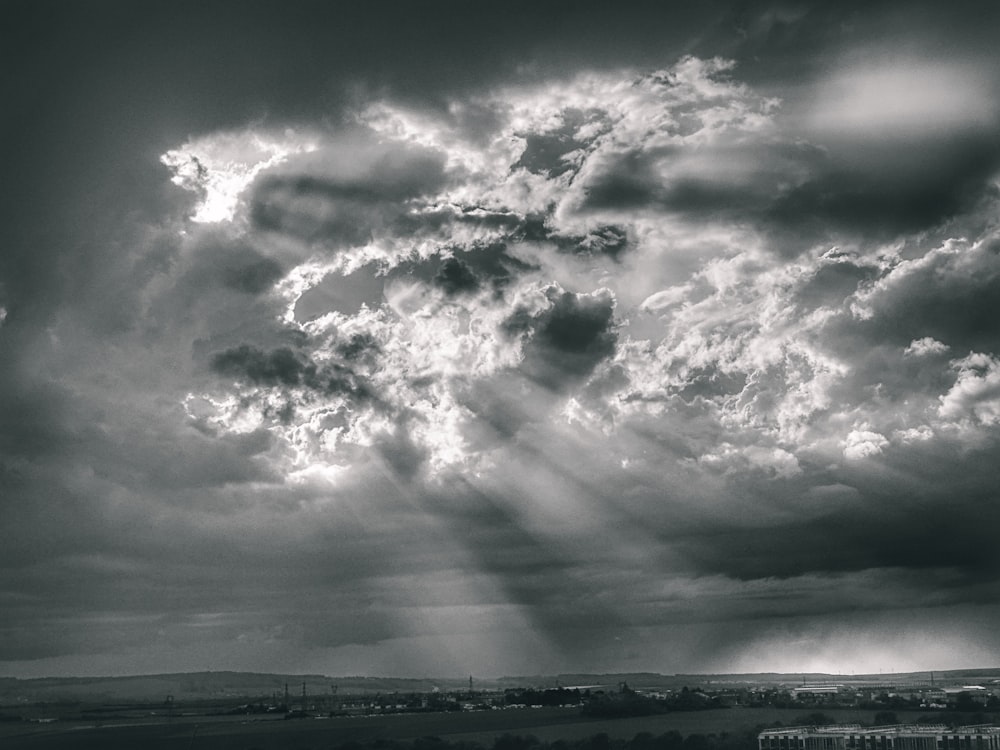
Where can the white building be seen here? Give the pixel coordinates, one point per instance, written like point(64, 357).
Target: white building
point(898, 737)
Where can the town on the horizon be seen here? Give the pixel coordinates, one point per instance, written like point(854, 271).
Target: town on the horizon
point(940, 710)
point(596, 694)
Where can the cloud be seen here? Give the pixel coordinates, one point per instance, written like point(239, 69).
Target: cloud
point(278, 367)
point(925, 347)
point(253, 274)
point(565, 338)
point(344, 193)
point(775, 461)
point(888, 195)
point(455, 277)
point(975, 396)
point(863, 443)
point(942, 295)
point(903, 97)
point(220, 167)
point(397, 368)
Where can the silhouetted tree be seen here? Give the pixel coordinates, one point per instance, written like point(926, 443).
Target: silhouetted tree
point(514, 742)
point(671, 740)
point(696, 741)
point(815, 719)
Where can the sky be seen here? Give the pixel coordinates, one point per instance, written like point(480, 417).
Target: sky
point(444, 338)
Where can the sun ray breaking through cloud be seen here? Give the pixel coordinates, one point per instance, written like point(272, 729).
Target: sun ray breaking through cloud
point(680, 358)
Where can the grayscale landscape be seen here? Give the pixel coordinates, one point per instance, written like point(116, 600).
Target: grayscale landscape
point(381, 370)
point(540, 712)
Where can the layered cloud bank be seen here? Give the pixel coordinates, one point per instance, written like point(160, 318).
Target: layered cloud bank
point(621, 369)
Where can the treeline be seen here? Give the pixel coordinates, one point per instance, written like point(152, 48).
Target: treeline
point(886, 718)
point(547, 697)
point(671, 740)
point(959, 718)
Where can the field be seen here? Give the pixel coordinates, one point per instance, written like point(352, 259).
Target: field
point(231, 733)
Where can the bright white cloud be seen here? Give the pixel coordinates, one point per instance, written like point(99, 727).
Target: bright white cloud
point(220, 167)
point(864, 443)
point(731, 459)
point(713, 314)
point(975, 396)
point(925, 347)
point(882, 99)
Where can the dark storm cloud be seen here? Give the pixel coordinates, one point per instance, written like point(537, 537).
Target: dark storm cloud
point(405, 456)
point(879, 531)
point(728, 177)
point(543, 154)
point(947, 297)
point(924, 506)
point(216, 259)
point(202, 461)
point(780, 46)
point(252, 273)
point(567, 340)
point(899, 379)
point(869, 167)
point(382, 174)
point(628, 183)
point(358, 346)
point(905, 329)
point(609, 240)
point(285, 367)
point(69, 504)
point(455, 277)
point(951, 298)
point(806, 190)
point(278, 208)
point(41, 418)
point(341, 379)
point(495, 262)
point(833, 283)
point(469, 269)
point(909, 191)
point(344, 201)
point(550, 153)
point(664, 180)
point(278, 367)
point(208, 581)
point(498, 417)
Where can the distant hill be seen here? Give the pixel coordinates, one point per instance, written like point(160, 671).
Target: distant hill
point(675, 681)
point(206, 685)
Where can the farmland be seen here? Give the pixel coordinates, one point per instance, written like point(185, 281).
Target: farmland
point(481, 727)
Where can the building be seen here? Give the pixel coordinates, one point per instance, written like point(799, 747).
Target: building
point(898, 737)
point(974, 693)
point(818, 692)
